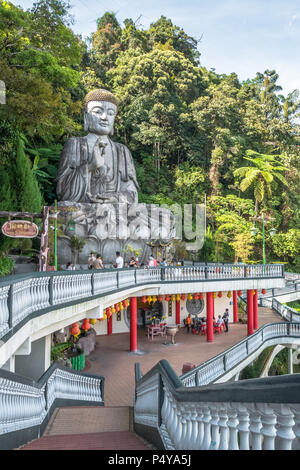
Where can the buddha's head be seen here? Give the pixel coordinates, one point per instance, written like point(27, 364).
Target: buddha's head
point(100, 110)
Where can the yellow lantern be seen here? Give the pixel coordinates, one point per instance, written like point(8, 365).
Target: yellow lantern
point(149, 299)
point(113, 310)
point(229, 295)
point(190, 297)
point(173, 297)
point(214, 295)
point(121, 306)
point(105, 317)
point(178, 297)
point(93, 321)
point(154, 298)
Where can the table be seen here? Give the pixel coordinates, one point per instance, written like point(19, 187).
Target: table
point(156, 331)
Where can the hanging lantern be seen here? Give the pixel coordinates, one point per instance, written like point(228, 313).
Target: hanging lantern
point(229, 295)
point(113, 310)
point(154, 298)
point(108, 313)
point(239, 293)
point(201, 296)
point(75, 330)
point(196, 296)
point(93, 321)
point(105, 317)
point(220, 295)
point(121, 306)
point(149, 299)
point(178, 297)
point(117, 307)
point(167, 298)
point(144, 299)
point(190, 297)
point(263, 291)
point(253, 292)
point(160, 298)
point(173, 297)
point(182, 297)
point(214, 295)
point(86, 325)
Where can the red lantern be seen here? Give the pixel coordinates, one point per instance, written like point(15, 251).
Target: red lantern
point(239, 293)
point(108, 313)
point(167, 298)
point(182, 296)
point(201, 296)
point(219, 294)
point(144, 299)
point(86, 325)
point(117, 307)
point(263, 291)
point(124, 302)
point(75, 330)
point(160, 298)
point(196, 296)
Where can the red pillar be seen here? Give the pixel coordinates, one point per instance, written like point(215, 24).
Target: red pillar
point(209, 317)
point(178, 312)
point(250, 311)
point(235, 307)
point(109, 326)
point(133, 324)
point(255, 310)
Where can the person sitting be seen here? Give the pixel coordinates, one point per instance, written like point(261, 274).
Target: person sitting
point(91, 260)
point(188, 323)
point(132, 263)
point(196, 325)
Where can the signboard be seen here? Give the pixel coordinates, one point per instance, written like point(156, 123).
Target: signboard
point(20, 229)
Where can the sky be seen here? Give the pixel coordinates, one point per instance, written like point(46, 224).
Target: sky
point(241, 36)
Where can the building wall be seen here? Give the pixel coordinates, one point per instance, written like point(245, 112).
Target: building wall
point(123, 326)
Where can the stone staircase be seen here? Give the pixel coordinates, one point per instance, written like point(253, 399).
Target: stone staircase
point(90, 428)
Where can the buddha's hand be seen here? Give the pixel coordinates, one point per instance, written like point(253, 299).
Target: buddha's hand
point(101, 198)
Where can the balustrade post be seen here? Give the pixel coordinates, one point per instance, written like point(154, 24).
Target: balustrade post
point(268, 430)
point(207, 437)
point(10, 302)
point(50, 287)
point(285, 424)
point(93, 283)
point(215, 434)
point(233, 428)
point(243, 427)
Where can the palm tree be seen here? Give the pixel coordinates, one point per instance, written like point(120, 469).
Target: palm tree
point(260, 175)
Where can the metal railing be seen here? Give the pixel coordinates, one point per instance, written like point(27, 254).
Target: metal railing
point(25, 403)
point(254, 414)
point(22, 296)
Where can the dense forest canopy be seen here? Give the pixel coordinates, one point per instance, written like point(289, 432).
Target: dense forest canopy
point(191, 131)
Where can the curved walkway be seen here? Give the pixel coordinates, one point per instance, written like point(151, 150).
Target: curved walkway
point(112, 360)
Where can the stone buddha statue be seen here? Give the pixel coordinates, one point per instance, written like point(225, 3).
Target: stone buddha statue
point(98, 190)
point(93, 168)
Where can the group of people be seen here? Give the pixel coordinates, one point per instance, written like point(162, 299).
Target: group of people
point(97, 262)
point(196, 323)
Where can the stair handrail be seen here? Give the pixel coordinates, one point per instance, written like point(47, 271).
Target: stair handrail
point(263, 412)
point(26, 403)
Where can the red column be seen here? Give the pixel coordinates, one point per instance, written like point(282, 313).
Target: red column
point(255, 310)
point(250, 311)
point(235, 307)
point(209, 317)
point(178, 312)
point(109, 326)
point(133, 324)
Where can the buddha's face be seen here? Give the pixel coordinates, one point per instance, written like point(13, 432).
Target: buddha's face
point(99, 117)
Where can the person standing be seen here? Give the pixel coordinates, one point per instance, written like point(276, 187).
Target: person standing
point(226, 319)
point(91, 260)
point(119, 261)
point(98, 264)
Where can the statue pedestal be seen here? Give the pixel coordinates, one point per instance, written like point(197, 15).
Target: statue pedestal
point(107, 228)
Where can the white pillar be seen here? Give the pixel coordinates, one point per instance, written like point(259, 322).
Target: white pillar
point(34, 365)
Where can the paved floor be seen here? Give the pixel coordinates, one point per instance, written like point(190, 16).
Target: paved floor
point(113, 360)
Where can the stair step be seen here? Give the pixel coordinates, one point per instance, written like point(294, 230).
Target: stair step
point(88, 420)
point(124, 440)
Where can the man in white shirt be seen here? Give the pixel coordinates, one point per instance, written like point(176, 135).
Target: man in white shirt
point(119, 261)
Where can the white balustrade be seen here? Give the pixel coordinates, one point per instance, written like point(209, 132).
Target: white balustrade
point(4, 311)
point(23, 406)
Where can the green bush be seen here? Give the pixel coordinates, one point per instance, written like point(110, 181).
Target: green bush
point(6, 266)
